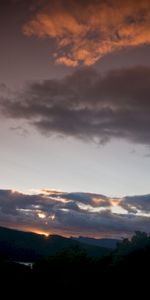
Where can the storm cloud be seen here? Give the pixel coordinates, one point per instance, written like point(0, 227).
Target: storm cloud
point(73, 213)
point(87, 105)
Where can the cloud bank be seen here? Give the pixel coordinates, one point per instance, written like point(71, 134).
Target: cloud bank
point(87, 30)
point(74, 214)
point(87, 105)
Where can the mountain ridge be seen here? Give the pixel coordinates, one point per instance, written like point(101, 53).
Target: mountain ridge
point(29, 246)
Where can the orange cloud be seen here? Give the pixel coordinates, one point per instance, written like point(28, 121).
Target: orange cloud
point(85, 32)
point(67, 61)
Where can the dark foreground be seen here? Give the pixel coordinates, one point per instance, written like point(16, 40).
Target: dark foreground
point(124, 272)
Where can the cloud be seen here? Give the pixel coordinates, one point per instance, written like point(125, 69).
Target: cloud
point(87, 105)
point(137, 203)
point(72, 213)
point(85, 31)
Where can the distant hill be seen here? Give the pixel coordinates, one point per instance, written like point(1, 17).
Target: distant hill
point(26, 246)
point(106, 243)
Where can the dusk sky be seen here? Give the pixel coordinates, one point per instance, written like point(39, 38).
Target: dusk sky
point(75, 116)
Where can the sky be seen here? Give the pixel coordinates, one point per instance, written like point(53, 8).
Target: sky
point(74, 116)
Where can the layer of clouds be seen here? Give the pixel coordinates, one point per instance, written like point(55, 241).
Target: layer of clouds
point(74, 213)
point(87, 105)
point(87, 30)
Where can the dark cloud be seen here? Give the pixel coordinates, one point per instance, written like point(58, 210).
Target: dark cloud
point(70, 214)
point(87, 105)
point(87, 198)
point(137, 203)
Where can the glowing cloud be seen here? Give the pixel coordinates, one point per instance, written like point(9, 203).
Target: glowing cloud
point(41, 215)
point(85, 214)
point(86, 31)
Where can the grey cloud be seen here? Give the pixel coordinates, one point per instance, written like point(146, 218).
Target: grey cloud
point(62, 213)
point(12, 201)
point(87, 105)
point(137, 203)
point(105, 223)
point(87, 198)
